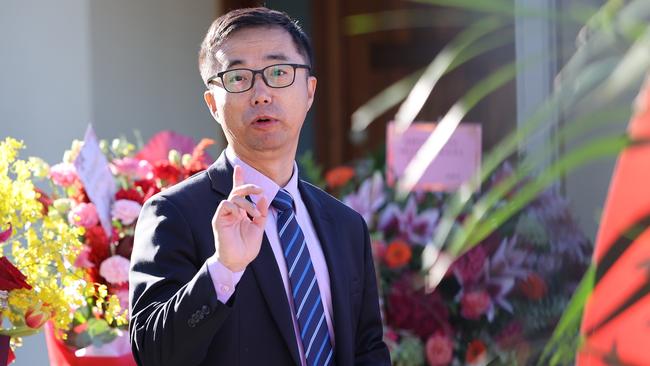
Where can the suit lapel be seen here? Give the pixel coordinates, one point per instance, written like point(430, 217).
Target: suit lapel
point(266, 271)
point(329, 236)
point(264, 267)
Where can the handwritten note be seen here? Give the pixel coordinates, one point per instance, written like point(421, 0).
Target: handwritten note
point(456, 163)
point(95, 174)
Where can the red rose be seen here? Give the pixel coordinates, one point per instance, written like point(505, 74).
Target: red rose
point(10, 277)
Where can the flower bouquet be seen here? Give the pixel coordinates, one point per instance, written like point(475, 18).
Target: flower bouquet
point(38, 281)
point(108, 224)
point(498, 303)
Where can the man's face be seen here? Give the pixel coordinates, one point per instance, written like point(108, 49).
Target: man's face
point(262, 120)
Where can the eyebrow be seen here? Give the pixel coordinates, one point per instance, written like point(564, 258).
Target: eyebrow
point(271, 57)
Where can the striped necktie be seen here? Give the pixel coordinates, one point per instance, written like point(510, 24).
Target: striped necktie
point(307, 301)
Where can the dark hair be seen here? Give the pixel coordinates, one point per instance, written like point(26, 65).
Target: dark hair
point(239, 19)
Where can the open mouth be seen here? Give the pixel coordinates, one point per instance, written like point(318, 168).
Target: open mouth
point(264, 121)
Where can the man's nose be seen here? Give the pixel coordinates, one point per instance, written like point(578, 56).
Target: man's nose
point(261, 92)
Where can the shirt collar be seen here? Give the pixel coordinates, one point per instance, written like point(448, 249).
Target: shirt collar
point(269, 187)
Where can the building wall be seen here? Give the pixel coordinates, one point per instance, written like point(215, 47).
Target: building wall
point(121, 65)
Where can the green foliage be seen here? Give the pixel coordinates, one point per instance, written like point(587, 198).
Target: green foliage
point(309, 170)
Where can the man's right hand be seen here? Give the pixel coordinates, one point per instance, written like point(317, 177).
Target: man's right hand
point(237, 238)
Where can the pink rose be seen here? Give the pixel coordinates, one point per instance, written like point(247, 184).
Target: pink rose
point(115, 269)
point(63, 174)
point(133, 168)
point(474, 304)
point(126, 211)
point(84, 214)
point(439, 350)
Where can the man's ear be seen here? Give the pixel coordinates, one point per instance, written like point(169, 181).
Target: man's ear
point(311, 90)
point(208, 97)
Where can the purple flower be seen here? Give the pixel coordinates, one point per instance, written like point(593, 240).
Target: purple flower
point(498, 276)
point(368, 199)
point(408, 224)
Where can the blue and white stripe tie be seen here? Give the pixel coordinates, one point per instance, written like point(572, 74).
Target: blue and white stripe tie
point(307, 301)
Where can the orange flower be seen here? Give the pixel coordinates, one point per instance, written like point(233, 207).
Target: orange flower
point(533, 287)
point(476, 353)
point(398, 254)
point(339, 176)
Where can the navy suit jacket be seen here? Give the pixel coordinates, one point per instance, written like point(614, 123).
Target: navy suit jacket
point(176, 318)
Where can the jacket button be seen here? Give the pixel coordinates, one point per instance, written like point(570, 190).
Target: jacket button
point(205, 310)
point(191, 323)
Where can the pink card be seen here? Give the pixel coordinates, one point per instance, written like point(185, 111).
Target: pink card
point(458, 161)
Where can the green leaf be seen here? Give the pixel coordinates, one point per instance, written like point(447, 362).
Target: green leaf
point(568, 326)
point(593, 150)
point(454, 55)
point(100, 331)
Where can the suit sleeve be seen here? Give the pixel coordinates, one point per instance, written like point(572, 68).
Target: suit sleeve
point(174, 308)
point(370, 347)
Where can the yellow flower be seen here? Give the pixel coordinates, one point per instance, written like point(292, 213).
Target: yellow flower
point(43, 247)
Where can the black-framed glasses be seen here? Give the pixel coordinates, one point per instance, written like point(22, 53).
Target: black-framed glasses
point(241, 80)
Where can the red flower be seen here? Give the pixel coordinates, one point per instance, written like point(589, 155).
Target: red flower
point(148, 187)
point(439, 350)
point(130, 194)
point(44, 199)
point(98, 242)
point(200, 158)
point(166, 172)
point(339, 176)
point(4, 235)
point(398, 254)
point(10, 277)
point(36, 317)
point(473, 304)
point(469, 267)
point(533, 287)
point(410, 308)
point(78, 193)
point(476, 353)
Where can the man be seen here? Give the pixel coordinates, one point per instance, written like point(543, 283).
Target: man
point(281, 273)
